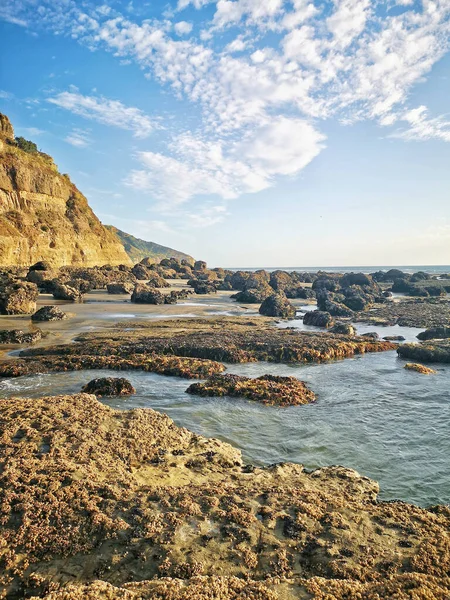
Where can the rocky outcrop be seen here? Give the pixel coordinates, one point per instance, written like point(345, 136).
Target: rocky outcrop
point(435, 333)
point(43, 216)
point(277, 305)
point(432, 351)
point(63, 291)
point(143, 294)
point(419, 369)
point(119, 288)
point(318, 318)
point(109, 386)
point(126, 505)
point(17, 297)
point(49, 313)
point(267, 389)
point(17, 336)
point(344, 329)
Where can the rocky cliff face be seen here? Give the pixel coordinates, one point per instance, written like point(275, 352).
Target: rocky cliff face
point(43, 216)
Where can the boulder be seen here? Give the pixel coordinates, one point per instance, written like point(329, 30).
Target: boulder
point(318, 318)
point(238, 280)
point(343, 329)
point(225, 286)
point(371, 335)
point(41, 265)
point(62, 291)
point(280, 280)
point(156, 281)
point(143, 294)
point(394, 338)
point(109, 386)
point(120, 288)
point(253, 295)
point(300, 292)
point(49, 313)
point(355, 279)
point(17, 336)
point(141, 272)
point(17, 297)
point(200, 265)
point(277, 305)
point(435, 333)
point(203, 287)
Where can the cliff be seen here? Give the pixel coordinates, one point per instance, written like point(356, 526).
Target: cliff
point(43, 216)
point(138, 249)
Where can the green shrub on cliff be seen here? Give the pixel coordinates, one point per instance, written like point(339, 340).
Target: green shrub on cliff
point(26, 145)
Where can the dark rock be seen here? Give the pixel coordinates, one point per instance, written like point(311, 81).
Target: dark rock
point(225, 286)
point(318, 318)
point(435, 333)
point(300, 292)
point(253, 295)
point(200, 265)
point(371, 335)
point(202, 287)
point(432, 351)
point(49, 313)
point(141, 272)
point(156, 281)
point(238, 280)
point(109, 386)
point(343, 329)
point(142, 294)
point(17, 336)
point(277, 305)
point(355, 279)
point(394, 338)
point(280, 280)
point(120, 288)
point(42, 265)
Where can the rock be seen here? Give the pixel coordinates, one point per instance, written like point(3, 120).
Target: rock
point(200, 265)
point(6, 128)
point(343, 329)
point(253, 296)
point(17, 297)
point(318, 318)
point(238, 280)
point(434, 333)
point(280, 280)
point(41, 265)
point(225, 286)
point(109, 386)
point(277, 305)
point(387, 294)
point(62, 291)
point(141, 272)
point(49, 313)
point(156, 281)
point(203, 287)
point(142, 294)
point(17, 336)
point(394, 338)
point(120, 288)
point(43, 279)
point(355, 279)
point(300, 292)
point(372, 335)
point(419, 369)
point(267, 389)
point(432, 351)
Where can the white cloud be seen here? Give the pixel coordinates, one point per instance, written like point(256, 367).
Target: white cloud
point(421, 127)
point(229, 12)
point(107, 112)
point(183, 27)
point(33, 131)
point(78, 138)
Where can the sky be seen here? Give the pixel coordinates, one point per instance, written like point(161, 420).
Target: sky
point(252, 133)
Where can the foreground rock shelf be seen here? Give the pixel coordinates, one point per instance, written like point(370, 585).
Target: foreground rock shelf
point(435, 351)
point(104, 501)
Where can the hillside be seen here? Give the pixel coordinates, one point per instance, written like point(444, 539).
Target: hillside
point(43, 216)
point(138, 249)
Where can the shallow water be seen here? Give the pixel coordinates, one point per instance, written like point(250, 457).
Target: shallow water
point(372, 415)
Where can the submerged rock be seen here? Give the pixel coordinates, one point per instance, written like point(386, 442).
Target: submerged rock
point(433, 351)
point(277, 305)
point(318, 318)
point(372, 335)
point(109, 386)
point(419, 368)
point(17, 336)
point(267, 389)
point(394, 338)
point(49, 313)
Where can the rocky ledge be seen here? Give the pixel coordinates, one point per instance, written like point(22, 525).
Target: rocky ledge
point(98, 503)
point(436, 351)
point(431, 312)
point(267, 389)
point(193, 348)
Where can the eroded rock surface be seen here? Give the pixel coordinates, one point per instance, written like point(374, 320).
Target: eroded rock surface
point(124, 504)
point(109, 386)
point(49, 313)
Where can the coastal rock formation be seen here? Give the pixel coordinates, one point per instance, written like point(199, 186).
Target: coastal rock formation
point(98, 503)
point(267, 389)
point(277, 305)
point(17, 297)
point(253, 295)
point(419, 369)
point(143, 294)
point(17, 336)
point(433, 351)
point(49, 313)
point(63, 291)
point(319, 318)
point(109, 386)
point(344, 329)
point(119, 288)
point(434, 333)
point(432, 312)
point(43, 216)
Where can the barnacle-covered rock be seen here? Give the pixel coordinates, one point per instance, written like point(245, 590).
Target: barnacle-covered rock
point(109, 386)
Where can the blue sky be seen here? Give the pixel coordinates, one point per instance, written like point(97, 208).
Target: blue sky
point(247, 133)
